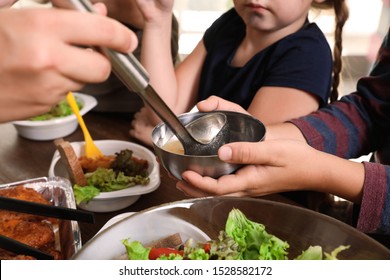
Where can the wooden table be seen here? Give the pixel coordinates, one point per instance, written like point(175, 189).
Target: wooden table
point(22, 159)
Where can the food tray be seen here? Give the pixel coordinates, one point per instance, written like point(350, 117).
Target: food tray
point(59, 192)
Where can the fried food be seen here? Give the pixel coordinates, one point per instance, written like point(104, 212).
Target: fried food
point(33, 230)
point(90, 165)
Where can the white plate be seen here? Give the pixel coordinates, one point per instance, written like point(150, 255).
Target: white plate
point(116, 219)
point(116, 200)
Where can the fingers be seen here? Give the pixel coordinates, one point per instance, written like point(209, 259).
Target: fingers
point(100, 8)
point(91, 30)
point(245, 153)
point(238, 184)
point(216, 103)
point(189, 191)
point(92, 66)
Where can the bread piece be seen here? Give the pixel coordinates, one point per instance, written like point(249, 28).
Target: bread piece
point(71, 162)
point(171, 241)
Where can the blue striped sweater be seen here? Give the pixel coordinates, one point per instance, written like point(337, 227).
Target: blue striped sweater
point(356, 125)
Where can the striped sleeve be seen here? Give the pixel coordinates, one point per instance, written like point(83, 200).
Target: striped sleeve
point(356, 125)
point(374, 215)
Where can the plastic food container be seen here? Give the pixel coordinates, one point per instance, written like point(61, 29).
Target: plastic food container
point(59, 192)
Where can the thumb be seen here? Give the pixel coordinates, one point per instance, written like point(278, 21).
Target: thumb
point(207, 105)
point(217, 103)
point(243, 153)
point(100, 8)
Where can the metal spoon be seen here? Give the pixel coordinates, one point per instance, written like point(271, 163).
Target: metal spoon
point(128, 69)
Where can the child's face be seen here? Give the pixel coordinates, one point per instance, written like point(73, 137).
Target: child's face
point(273, 15)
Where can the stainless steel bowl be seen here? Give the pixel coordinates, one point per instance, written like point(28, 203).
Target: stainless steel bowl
point(242, 128)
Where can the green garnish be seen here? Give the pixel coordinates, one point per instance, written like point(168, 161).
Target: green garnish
point(62, 109)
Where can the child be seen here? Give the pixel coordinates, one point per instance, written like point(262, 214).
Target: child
point(262, 55)
point(310, 153)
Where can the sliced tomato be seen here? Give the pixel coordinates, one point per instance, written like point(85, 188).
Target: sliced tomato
point(157, 252)
point(207, 247)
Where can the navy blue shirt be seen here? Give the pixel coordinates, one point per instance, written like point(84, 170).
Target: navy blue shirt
point(302, 60)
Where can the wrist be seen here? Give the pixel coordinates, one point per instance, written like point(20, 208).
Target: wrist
point(339, 176)
point(284, 131)
point(161, 22)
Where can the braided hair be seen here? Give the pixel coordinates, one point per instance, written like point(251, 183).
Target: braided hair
point(341, 12)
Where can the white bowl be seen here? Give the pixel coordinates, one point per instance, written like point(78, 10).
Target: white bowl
point(202, 219)
point(55, 128)
point(115, 200)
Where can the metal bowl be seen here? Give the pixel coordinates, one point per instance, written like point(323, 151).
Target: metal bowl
point(242, 128)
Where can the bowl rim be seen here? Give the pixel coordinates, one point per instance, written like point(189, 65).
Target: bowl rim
point(89, 102)
point(187, 203)
point(136, 190)
point(158, 126)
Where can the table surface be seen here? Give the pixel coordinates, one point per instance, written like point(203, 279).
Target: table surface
point(22, 159)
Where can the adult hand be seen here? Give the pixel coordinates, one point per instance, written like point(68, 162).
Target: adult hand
point(41, 59)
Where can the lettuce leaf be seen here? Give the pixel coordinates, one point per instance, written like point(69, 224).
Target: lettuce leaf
point(107, 180)
point(311, 253)
point(84, 194)
point(135, 250)
point(254, 241)
point(315, 253)
point(335, 252)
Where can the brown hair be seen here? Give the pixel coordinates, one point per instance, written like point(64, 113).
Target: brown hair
point(341, 15)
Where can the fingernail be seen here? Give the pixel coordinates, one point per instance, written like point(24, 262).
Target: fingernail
point(225, 153)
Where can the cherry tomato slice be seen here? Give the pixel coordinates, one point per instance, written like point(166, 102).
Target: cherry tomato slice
point(157, 252)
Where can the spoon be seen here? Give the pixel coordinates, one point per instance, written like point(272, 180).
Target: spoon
point(130, 71)
point(91, 150)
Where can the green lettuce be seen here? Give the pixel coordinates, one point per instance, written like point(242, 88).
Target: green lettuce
point(62, 109)
point(84, 193)
point(254, 241)
point(105, 180)
point(311, 253)
point(335, 252)
point(224, 248)
point(242, 239)
point(135, 250)
point(316, 253)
